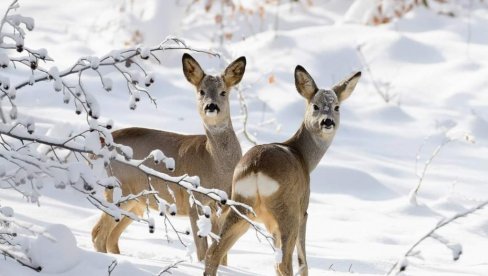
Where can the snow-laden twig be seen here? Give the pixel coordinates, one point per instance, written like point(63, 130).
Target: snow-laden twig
point(421, 176)
point(402, 264)
point(383, 89)
point(257, 227)
point(121, 57)
point(241, 89)
point(112, 266)
point(10, 238)
point(448, 137)
point(245, 112)
point(169, 267)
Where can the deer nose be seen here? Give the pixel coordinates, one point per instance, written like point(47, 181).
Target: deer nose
point(327, 123)
point(212, 107)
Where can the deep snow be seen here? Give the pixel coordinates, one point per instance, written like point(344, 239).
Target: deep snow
point(360, 218)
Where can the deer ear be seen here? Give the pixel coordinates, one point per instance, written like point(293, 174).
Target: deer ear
point(304, 83)
point(344, 88)
point(234, 72)
point(192, 70)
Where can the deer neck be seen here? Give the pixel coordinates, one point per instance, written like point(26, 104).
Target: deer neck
point(223, 145)
point(311, 146)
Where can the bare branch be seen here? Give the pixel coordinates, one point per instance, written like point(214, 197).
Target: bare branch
point(401, 266)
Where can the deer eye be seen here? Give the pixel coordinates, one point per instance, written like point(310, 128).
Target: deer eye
point(315, 107)
point(202, 92)
point(336, 108)
point(223, 93)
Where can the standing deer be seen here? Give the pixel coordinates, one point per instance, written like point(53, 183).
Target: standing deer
point(274, 179)
point(212, 156)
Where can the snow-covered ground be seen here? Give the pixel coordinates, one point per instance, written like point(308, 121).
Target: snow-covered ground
point(361, 221)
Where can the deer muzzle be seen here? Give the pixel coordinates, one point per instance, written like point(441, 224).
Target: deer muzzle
point(327, 123)
point(211, 109)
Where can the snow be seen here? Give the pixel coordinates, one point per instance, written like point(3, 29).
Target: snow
point(58, 255)
point(360, 218)
point(204, 226)
point(4, 60)
point(278, 256)
point(172, 209)
point(7, 211)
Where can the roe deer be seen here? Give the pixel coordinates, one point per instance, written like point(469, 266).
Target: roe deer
point(274, 179)
point(212, 156)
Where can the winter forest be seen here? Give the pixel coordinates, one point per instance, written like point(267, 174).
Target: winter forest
point(243, 137)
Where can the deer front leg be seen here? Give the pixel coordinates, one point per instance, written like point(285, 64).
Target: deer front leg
point(101, 231)
point(301, 252)
point(200, 242)
point(216, 226)
point(114, 236)
point(232, 229)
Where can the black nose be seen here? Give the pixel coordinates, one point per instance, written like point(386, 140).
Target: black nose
point(212, 107)
point(327, 123)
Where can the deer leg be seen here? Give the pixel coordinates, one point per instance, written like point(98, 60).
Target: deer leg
point(232, 229)
point(302, 256)
point(288, 233)
point(216, 226)
point(100, 232)
point(200, 242)
point(114, 236)
point(102, 228)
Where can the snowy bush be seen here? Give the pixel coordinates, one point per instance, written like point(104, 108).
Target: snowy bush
point(375, 12)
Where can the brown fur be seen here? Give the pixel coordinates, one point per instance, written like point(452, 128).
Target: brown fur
point(284, 212)
point(212, 157)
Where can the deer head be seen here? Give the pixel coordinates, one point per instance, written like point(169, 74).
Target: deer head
point(212, 92)
point(322, 116)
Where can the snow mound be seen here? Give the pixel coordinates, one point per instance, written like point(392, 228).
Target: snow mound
point(479, 127)
point(389, 112)
point(56, 251)
point(410, 50)
point(356, 183)
point(406, 208)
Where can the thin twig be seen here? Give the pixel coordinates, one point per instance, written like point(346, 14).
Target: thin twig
point(438, 226)
point(169, 267)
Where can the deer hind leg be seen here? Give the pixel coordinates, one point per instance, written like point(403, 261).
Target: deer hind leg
point(100, 232)
point(114, 236)
point(288, 225)
point(232, 229)
point(200, 242)
point(302, 256)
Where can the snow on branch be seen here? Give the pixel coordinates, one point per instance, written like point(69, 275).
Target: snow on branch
point(169, 267)
point(456, 249)
point(449, 136)
point(11, 239)
point(31, 158)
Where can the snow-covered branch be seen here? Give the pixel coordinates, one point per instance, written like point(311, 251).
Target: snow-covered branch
point(169, 267)
point(448, 137)
point(73, 158)
point(455, 248)
point(11, 238)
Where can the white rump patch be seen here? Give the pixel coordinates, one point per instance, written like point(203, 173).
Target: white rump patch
point(267, 185)
point(254, 184)
point(246, 186)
